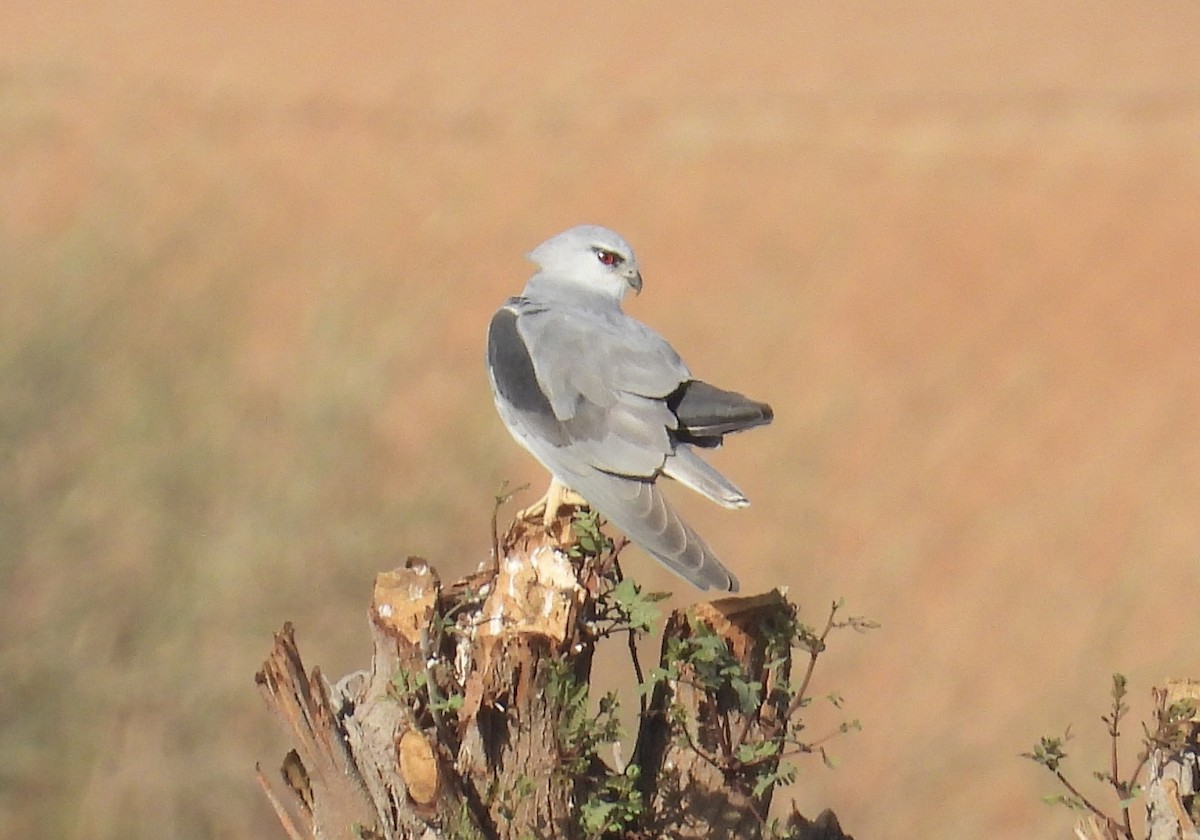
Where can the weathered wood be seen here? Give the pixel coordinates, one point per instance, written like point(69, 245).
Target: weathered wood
point(463, 725)
point(687, 740)
point(390, 734)
point(527, 624)
point(320, 772)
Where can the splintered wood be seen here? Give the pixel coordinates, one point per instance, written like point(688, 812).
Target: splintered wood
point(457, 728)
point(684, 758)
point(320, 772)
point(450, 733)
point(404, 601)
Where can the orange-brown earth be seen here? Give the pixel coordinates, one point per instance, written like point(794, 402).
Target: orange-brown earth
point(249, 251)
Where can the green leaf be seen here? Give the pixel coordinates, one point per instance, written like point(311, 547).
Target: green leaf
point(451, 703)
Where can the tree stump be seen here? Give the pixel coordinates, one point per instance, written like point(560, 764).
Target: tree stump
point(475, 721)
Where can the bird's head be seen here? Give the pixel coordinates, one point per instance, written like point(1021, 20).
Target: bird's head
point(591, 257)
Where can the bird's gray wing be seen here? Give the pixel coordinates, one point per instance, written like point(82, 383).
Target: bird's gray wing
point(586, 394)
point(597, 355)
point(606, 377)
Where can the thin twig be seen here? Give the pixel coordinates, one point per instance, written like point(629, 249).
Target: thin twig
point(631, 634)
point(501, 498)
point(619, 545)
point(618, 572)
point(434, 693)
point(1112, 824)
point(1114, 732)
point(816, 651)
point(698, 750)
point(637, 669)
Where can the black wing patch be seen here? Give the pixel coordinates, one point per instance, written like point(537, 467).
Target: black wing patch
point(516, 381)
point(706, 413)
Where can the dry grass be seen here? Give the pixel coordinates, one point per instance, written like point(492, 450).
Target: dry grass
point(248, 256)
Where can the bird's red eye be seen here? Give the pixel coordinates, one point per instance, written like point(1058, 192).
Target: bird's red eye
point(607, 257)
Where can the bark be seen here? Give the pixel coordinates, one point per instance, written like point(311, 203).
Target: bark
point(693, 725)
point(467, 724)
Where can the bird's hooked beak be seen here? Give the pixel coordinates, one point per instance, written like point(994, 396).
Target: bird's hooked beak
point(634, 278)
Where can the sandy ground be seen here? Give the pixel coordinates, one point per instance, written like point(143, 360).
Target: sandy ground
point(252, 249)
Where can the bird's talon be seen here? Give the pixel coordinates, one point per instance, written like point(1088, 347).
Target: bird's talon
point(550, 506)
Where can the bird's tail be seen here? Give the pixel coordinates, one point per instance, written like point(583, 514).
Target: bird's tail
point(640, 509)
point(690, 470)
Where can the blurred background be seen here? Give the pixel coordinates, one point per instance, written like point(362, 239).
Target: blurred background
point(248, 252)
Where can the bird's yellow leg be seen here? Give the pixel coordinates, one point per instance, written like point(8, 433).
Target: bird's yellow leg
point(558, 496)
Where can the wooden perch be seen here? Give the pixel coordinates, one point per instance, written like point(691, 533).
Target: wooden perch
point(689, 755)
point(474, 719)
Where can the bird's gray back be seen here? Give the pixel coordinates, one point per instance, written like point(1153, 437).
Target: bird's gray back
point(596, 351)
point(582, 388)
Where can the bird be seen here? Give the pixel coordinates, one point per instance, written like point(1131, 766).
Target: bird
point(607, 405)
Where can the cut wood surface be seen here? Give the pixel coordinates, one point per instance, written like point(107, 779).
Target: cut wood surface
point(474, 720)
